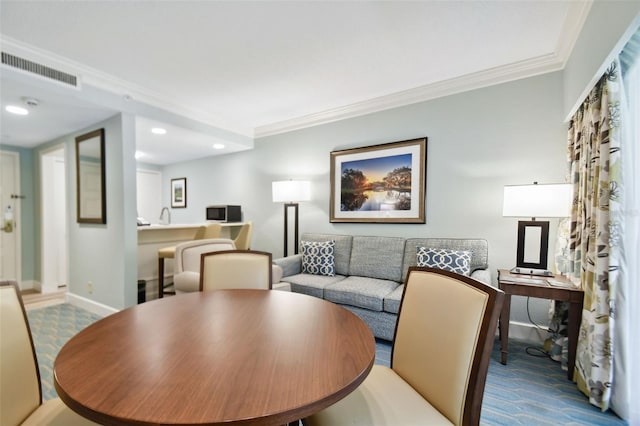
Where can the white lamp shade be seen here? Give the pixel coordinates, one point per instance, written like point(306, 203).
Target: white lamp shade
point(538, 200)
point(291, 191)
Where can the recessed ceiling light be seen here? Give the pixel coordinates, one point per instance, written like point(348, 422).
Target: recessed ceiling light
point(158, 131)
point(17, 110)
point(218, 146)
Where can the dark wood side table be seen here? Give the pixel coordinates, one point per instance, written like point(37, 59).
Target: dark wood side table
point(514, 284)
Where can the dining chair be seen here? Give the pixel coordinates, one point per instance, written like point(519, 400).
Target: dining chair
point(439, 360)
point(20, 388)
point(236, 269)
point(243, 239)
point(186, 276)
point(208, 231)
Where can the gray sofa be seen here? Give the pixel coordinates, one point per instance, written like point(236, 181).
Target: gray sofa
point(370, 271)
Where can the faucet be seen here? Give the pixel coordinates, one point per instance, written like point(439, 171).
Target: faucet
point(162, 221)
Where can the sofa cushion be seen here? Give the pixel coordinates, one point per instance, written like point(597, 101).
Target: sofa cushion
point(458, 261)
point(363, 292)
point(377, 257)
point(317, 258)
point(479, 249)
point(392, 300)
point(341, 250)
point(313, 285)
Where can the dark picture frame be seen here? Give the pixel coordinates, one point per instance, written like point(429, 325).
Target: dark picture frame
point(179, 193)
point(379, 184)
point(91, 182)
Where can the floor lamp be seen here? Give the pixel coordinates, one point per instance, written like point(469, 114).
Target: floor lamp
point(535, 201)
point(290, 192)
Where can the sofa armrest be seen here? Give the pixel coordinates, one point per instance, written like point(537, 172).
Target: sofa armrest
point(483, 275)
point(291, 265)
point(276, 273)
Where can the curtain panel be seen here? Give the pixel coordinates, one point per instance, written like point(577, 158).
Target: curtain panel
point(595, 230)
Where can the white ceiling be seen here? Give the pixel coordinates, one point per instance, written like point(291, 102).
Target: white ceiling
point(242, 69)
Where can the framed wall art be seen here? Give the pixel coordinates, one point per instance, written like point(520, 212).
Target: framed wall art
point(178, 193)
point(379, 184)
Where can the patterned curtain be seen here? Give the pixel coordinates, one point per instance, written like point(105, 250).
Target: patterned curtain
point(594, 241)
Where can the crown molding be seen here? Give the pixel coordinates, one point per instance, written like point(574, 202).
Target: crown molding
point(576, 16)
point(514, 71)
point(103, 81)
point(575, 19)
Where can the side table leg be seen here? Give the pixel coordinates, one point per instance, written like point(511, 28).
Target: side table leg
point(573, 328)
point(504, 328)
point(160, 277)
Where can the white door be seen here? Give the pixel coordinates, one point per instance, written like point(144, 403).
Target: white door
point(53, 221)
point(10, 242)
point(149, 196)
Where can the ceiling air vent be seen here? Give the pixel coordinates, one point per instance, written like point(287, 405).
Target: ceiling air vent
point(39, 69)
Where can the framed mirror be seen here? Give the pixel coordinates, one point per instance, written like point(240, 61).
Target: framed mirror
point(90, 178)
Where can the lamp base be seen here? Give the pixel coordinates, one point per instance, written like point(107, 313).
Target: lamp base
point(530, 271)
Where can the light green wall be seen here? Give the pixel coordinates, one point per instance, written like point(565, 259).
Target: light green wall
point(104, 254)
point(478, 142)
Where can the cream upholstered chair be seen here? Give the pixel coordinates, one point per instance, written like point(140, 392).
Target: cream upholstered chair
point(211, 230)
point(440, 356)
point(20, 389)
point(186, 277)
point(232, 269)
point(243, 239)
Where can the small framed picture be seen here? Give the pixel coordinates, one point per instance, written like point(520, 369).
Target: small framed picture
point(179, 193)
point(379, 184)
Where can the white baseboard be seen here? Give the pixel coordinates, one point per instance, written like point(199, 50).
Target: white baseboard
point(90, 305)
point(527, 332)
point(29, 284)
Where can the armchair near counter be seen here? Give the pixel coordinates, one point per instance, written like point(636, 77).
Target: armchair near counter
point(188, 259)
point(211, 230)
point(186, 277)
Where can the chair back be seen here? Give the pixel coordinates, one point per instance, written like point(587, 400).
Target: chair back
point(444, 337)
point(20, 392)
point(243, 239)
point(187, 256)
point(235, 269)
point(208, 231)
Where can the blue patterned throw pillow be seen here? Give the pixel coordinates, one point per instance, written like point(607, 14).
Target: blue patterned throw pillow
point(318, 258)
point(449, 260)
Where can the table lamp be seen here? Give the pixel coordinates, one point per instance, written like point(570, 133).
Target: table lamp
point(535, 201)
point(291, 192)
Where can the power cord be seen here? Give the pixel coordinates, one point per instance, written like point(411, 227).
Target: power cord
point(533, 350)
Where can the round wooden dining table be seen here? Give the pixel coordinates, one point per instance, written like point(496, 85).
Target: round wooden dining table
point(250, 357)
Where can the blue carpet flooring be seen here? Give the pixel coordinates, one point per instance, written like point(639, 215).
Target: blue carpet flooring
point(529, 390)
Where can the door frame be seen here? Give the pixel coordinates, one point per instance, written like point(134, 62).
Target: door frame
point(17, 211)
point(43, 212)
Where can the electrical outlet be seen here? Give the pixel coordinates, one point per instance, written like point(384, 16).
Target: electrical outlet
point(90, 287)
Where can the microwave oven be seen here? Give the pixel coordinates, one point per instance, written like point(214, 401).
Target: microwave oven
point(224, 213)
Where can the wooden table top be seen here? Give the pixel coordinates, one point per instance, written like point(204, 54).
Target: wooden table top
point(220, 357)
